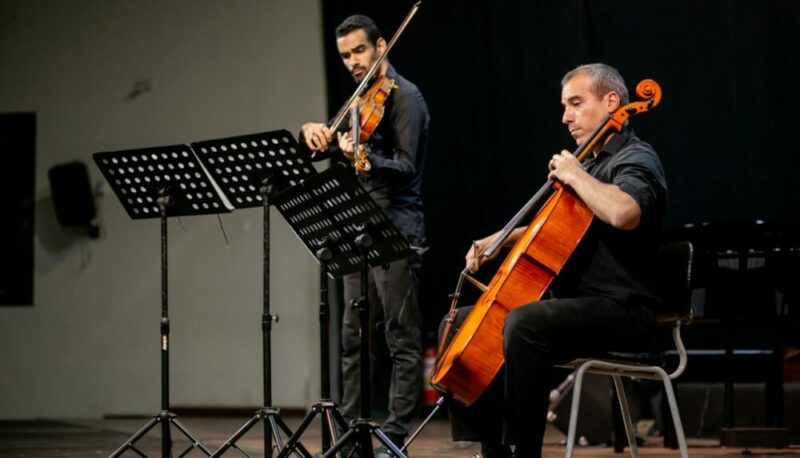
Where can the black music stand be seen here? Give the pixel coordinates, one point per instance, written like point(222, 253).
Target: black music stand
point(159, 183)
point(346, 231)
point(250, 170)
point(325, 407)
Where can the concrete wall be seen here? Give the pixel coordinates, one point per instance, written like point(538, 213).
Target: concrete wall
point(90, 344)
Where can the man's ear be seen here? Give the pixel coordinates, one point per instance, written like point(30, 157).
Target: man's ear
point(381, 45)
point(612, 101)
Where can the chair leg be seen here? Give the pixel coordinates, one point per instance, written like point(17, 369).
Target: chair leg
point(573, 414)
point(626, 416)
point(676, 417)
point(666, 419)
point(617, 424)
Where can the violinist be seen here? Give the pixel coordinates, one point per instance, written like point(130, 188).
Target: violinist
point(396, 151)
point(603, 299)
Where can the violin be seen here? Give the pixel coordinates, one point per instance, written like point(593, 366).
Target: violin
point(371, 102)
point(371, 109)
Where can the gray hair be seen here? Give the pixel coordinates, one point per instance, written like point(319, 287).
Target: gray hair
point(605, 79)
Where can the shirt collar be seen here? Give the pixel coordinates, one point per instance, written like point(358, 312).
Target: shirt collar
point(617, 142)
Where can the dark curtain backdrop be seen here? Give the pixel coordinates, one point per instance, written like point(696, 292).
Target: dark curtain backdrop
point(491, 71)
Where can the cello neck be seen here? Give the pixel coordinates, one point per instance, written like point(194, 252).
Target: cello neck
point(544, 192)
point(532, 205)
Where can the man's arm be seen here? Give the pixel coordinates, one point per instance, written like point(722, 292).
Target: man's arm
point(607, 201)
point(472, 258)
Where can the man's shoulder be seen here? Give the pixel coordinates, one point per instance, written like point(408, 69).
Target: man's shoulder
point(635, 147)
point(407, 99)
point(406, 89)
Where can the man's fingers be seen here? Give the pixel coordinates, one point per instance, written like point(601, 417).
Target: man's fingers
point(475, 266)
point(327, 133)
point(317, 136)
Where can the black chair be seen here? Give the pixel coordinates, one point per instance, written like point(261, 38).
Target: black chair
point(675, 272)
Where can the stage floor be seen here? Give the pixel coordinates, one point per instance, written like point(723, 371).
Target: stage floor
point(87, 438)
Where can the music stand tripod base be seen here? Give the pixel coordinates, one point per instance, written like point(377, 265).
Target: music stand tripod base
point(325, 407)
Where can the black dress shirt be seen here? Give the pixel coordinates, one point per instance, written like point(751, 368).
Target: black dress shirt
point(615, 263)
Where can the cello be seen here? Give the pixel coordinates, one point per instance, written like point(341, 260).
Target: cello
point(466, 367)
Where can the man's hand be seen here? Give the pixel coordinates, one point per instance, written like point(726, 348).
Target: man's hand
point(473, 258)
point(474, 261)
point(346, 144)
point(317, 136)
point(565, 168)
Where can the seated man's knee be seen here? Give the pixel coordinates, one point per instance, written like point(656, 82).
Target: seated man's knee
point(528, 322)
point(511, 326)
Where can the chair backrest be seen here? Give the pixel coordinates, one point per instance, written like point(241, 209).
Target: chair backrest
point(674, 271)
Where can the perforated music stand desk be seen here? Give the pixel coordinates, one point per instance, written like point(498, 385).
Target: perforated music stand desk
point(139, 177)
point(249, 170)
point(346, 231)
point(331, 209)
point(241, 164)
point(158, 183)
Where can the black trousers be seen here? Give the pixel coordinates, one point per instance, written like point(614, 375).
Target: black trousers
point(536, 337)
point(392, 292)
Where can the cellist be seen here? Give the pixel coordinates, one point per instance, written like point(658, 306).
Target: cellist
point(603, 299)
point(395, 151)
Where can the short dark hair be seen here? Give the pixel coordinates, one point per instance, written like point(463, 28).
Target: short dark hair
point(359, 21)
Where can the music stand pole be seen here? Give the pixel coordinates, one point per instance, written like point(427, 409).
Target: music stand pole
point(273, 423)
point(361, 304)
point(324, 337)
point(325, 407)
point(165, 417)
point(266, 325)
point(166, 438)
point(328, 408)
point(362, 429)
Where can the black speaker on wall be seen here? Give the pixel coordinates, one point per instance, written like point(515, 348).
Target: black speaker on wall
point(72, 196)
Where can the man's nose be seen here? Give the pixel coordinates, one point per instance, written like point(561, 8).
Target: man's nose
point(566, 118)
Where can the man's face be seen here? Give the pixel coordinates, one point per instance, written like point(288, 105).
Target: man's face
point(583, 110)
point(357, 53)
